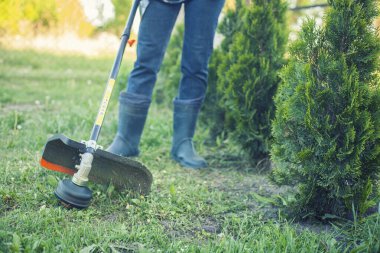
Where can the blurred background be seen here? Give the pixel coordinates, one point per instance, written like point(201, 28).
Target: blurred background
point(92, 27)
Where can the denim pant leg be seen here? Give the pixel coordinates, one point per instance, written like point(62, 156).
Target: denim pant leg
point(154, 34)
point(201, 19)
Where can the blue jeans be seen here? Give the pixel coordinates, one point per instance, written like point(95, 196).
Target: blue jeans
point(201, 18)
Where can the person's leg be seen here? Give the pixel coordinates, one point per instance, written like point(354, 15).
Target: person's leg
point(154, 34)
point(201, 19)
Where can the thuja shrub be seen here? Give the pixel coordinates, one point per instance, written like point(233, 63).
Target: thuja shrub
point(212, 114)
point(326, 128)
point(248, 75)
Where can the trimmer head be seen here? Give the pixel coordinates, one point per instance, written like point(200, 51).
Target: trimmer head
point(63, 154)
point(72, 195)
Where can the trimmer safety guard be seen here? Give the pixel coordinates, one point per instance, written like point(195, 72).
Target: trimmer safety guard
point(63, 154)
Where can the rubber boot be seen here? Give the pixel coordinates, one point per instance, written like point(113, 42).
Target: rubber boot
point(133, 110)
point(184, 122)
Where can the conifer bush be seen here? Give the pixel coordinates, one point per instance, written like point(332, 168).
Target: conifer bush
point(326, 129)
point(248, 75)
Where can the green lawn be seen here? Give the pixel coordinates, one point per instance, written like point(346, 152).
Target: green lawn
point(226, 208)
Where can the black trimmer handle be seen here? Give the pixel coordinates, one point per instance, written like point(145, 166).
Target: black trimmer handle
point(114, 72)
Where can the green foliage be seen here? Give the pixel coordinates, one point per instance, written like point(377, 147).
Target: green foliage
point(212, 114)
point(231, 24)
point(361, 235)
point(326, 129)
point(39, 14)
point(32, 17)
point(247, 75)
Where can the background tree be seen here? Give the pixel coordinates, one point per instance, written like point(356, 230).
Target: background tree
point(326, 129)
point(248, 75)
point(33, 17)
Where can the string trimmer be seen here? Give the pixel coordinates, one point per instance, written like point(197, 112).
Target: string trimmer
point(80, 158)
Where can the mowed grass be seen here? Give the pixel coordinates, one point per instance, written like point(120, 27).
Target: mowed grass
point(226, 208)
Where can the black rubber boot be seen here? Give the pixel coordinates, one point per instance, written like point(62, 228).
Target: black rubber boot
point(133, 109)
point(184, 122)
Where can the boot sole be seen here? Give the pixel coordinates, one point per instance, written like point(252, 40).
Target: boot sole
point(188, 165)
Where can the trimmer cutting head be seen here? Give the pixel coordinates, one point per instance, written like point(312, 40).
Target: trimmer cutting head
point(63, 154)
point(72, 195)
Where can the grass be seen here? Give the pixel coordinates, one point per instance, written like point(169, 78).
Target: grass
point(226, 208)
